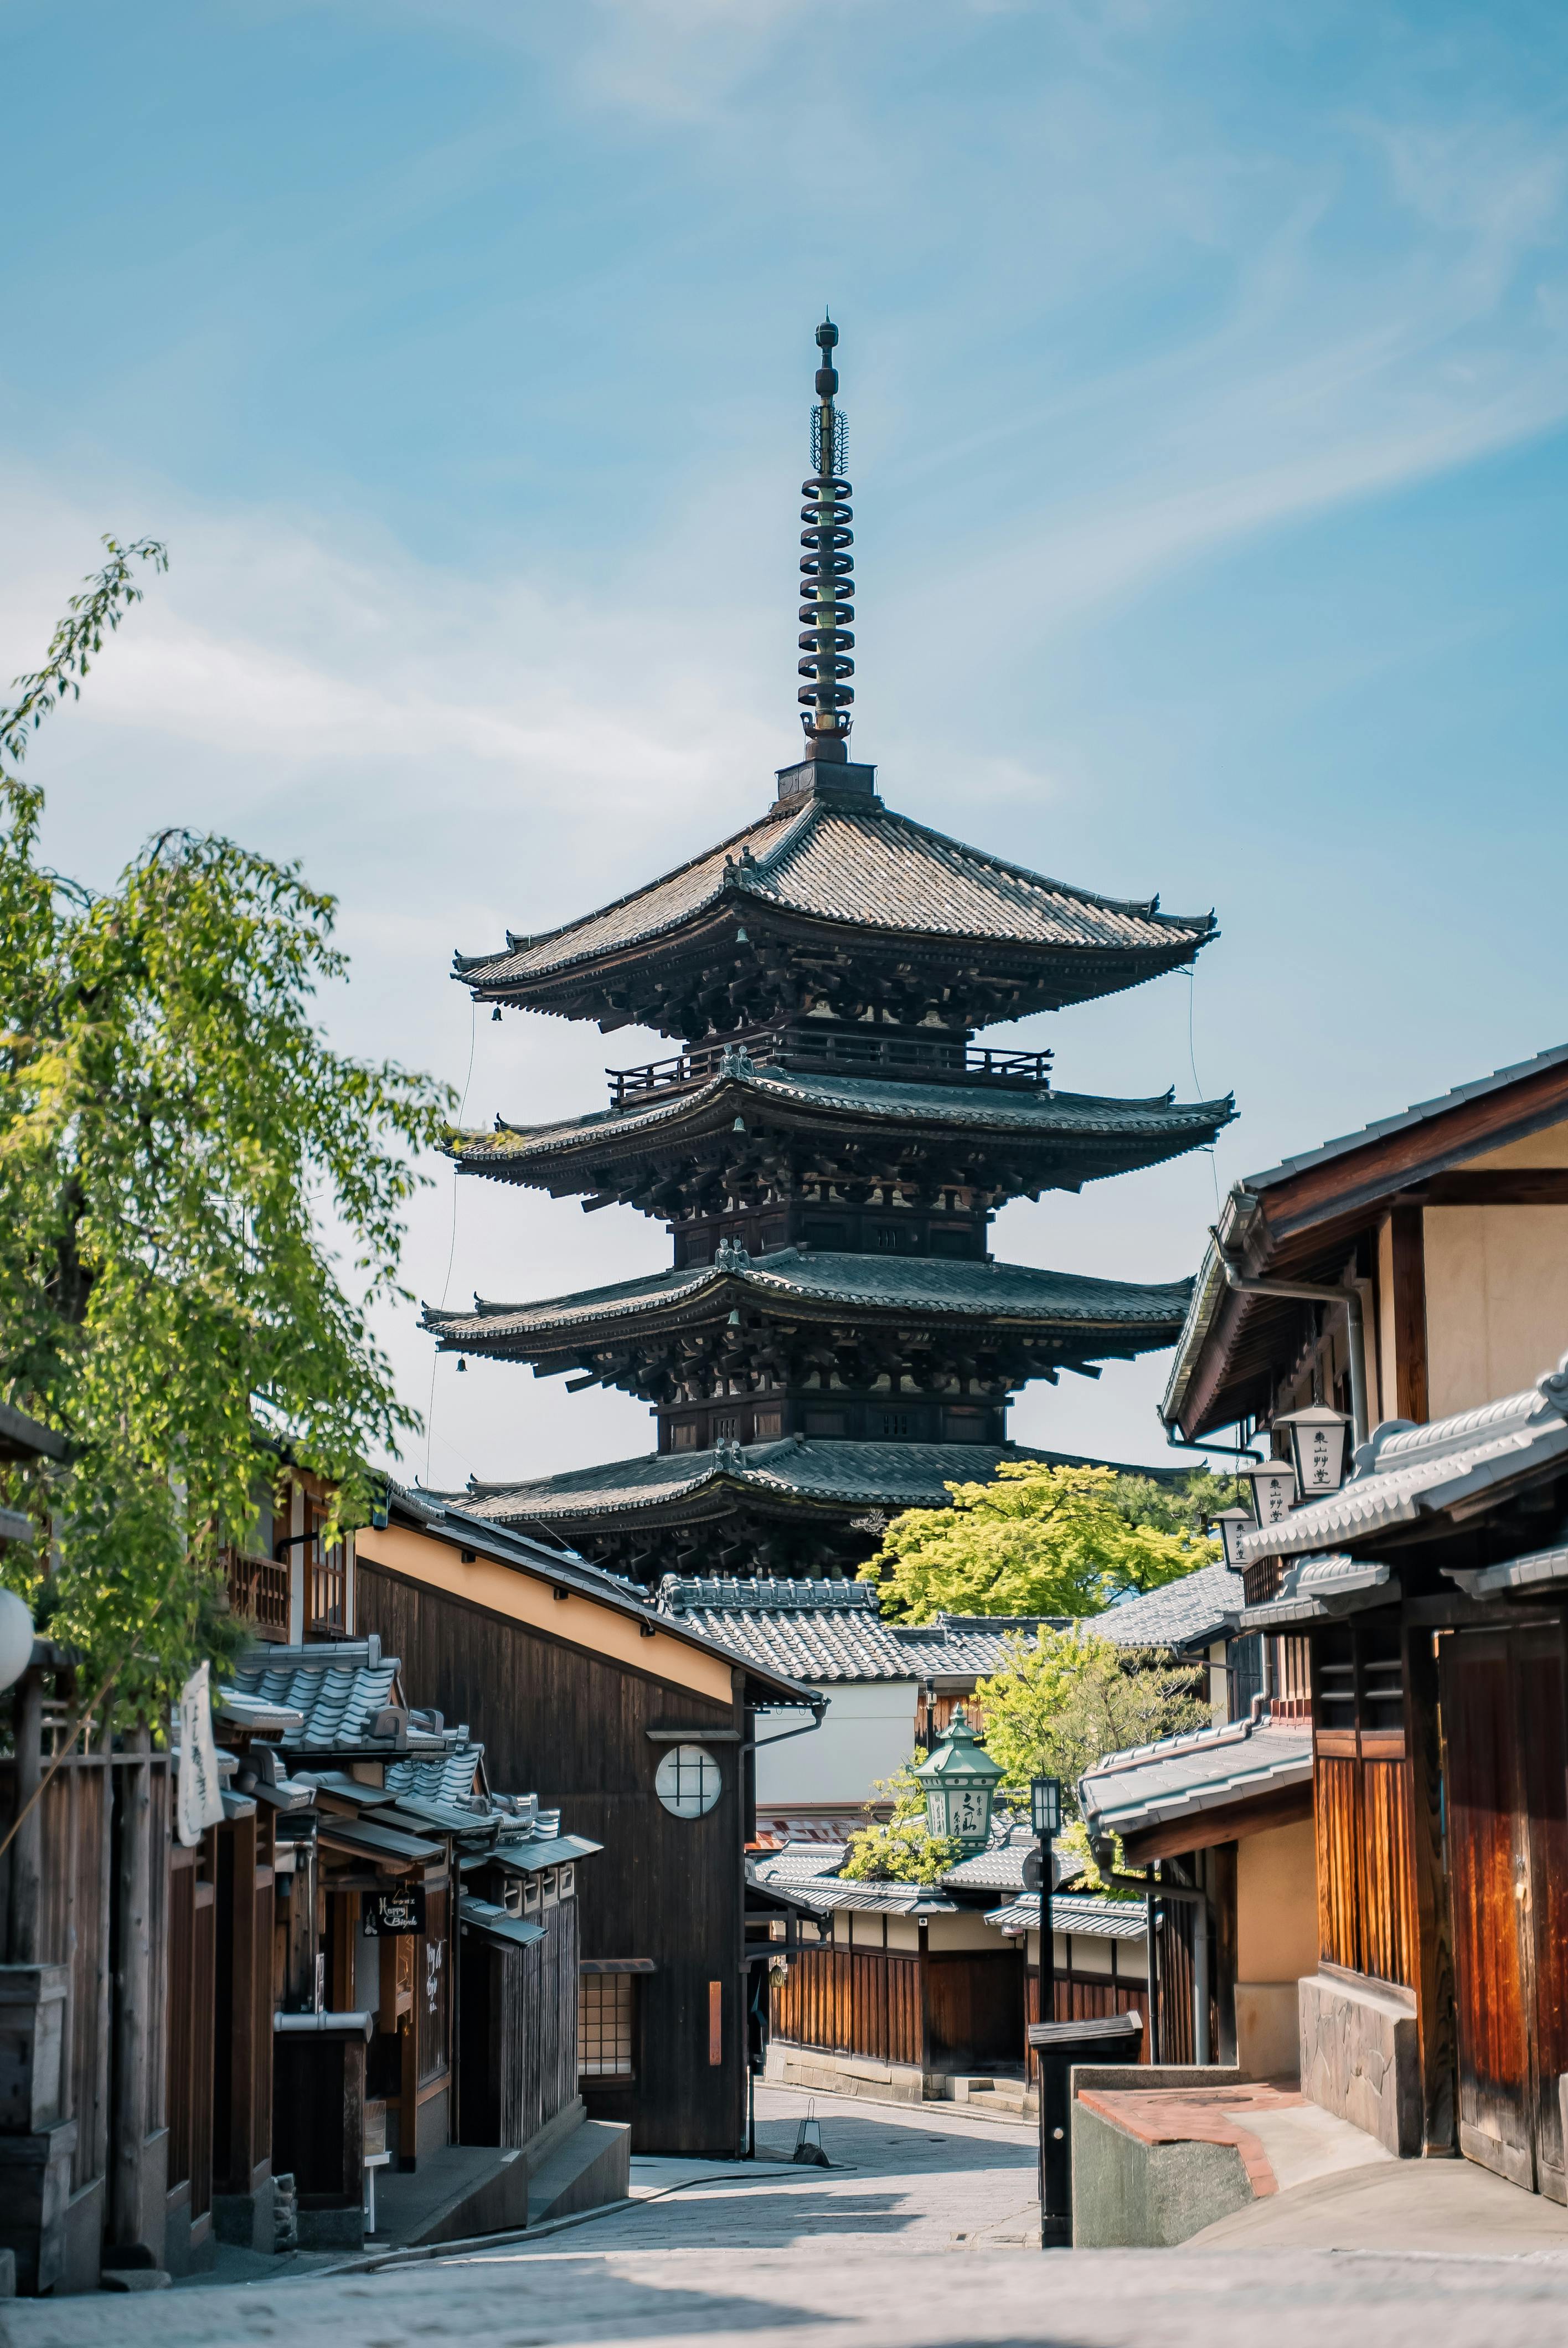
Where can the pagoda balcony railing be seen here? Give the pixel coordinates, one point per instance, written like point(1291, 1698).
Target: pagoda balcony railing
point(933, 1061)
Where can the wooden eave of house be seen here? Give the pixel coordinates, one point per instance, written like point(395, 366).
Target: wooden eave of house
point(1300, 1220)
point(1193, 1791)
point(477, 1543)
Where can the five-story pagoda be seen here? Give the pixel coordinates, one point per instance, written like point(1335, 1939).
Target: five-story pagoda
point(827, 1147)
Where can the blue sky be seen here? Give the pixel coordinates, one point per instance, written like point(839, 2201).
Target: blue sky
point(1207, 370)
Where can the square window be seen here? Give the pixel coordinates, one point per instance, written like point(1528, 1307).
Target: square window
point(604, 2026)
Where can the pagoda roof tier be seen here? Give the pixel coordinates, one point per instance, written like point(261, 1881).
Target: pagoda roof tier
point(1021, 1139)
point(841, 904)
point(643, 1333)
point(798, 1474)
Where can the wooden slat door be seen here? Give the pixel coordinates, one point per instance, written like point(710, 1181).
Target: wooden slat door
point(1543, 1767)
point(1507, 1752)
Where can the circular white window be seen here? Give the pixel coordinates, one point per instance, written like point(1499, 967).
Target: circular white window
point(688, 1782)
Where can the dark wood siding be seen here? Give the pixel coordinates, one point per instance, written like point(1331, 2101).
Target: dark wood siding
point(1507, 1741)
point(518, 2018)
point(852, 2002)
point(571, 1725)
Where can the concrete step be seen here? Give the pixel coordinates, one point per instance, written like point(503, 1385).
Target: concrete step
point(588, 2167)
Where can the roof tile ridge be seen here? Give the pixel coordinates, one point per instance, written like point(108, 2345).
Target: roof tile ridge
point(520, 942)
point(1146, 908)
point(756, 876)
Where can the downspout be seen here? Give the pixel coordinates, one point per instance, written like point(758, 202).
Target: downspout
point(1221, 1451)
point(1315, 1292)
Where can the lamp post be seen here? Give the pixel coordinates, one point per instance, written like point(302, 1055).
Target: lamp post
point(1045, 1817)
point(1230, 1524)
point(959, 1780)
point(1317, 1445)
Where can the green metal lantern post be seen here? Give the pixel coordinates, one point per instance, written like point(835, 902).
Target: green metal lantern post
point(959, 1780)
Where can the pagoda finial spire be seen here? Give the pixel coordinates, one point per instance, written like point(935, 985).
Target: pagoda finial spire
point(826, 573)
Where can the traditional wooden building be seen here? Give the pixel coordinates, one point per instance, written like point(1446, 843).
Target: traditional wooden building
point(1411, 1269)
point(649, 1732)
point(1431, 1594)
point(916, 1991)
point(827, 1147)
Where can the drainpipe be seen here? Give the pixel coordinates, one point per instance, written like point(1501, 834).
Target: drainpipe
point(1317, 1294)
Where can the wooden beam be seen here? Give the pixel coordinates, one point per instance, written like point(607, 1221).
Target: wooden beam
point(1232, 1823)
point(1510, 1186)
point(1409, 1314)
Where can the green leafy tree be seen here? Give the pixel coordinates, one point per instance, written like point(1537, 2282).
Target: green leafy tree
point(176, 1135)
point(902, 1848)
point(1039, 1540)
point(1064, 1699)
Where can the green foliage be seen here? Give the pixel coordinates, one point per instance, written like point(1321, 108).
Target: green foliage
point(1040, 1541)
point(1184, 1506)
point(902, 1848)
point(175, 1135)
point(1065, 1699)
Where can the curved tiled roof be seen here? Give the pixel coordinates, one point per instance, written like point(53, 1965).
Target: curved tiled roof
point(338, 1703)
point(859, 865)
point(890, 1475)
point(1099, 1920)
point(1196, 1607)
point(1181, 1776)
point(1405, 1471)
point(820, 1648)
point(1030, 1114)
point(927, 1285)
point(444, 1778)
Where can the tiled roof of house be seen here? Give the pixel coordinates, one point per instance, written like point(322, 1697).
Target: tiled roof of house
point(1001, 1866)
point(864, 867)
point(1149, 1313)
point(828, 1630)
point(441, 1777)
point(1182, 1777)
point(1164, 1124)
point(1098, 1920)
point(1421, 1113)
point(1194, 1610)
point(806, 1875)
point(832, 1641)
point(1407, 1472)
point(337, 1702)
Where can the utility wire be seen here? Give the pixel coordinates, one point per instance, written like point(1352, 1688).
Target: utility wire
point(452, 1247)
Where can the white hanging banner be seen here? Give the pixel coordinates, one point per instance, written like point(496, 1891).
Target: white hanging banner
point(199, 1802)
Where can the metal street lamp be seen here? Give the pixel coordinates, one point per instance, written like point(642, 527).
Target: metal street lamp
point(959, 1780)
point(1317, 1446)
point(1045, 1817)
point(1230, 1524)
point(1273, 1485)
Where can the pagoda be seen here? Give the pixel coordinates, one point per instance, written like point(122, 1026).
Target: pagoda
point(826, 1145)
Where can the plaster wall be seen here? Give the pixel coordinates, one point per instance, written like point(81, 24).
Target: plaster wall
point(1497, 1301)
point(1276, 1946)
point(868, 1733)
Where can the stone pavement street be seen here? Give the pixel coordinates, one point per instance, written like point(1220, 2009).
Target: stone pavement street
point(911, 2241)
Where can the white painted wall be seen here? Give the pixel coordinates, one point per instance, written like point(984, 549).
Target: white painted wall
point(868, 1733)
